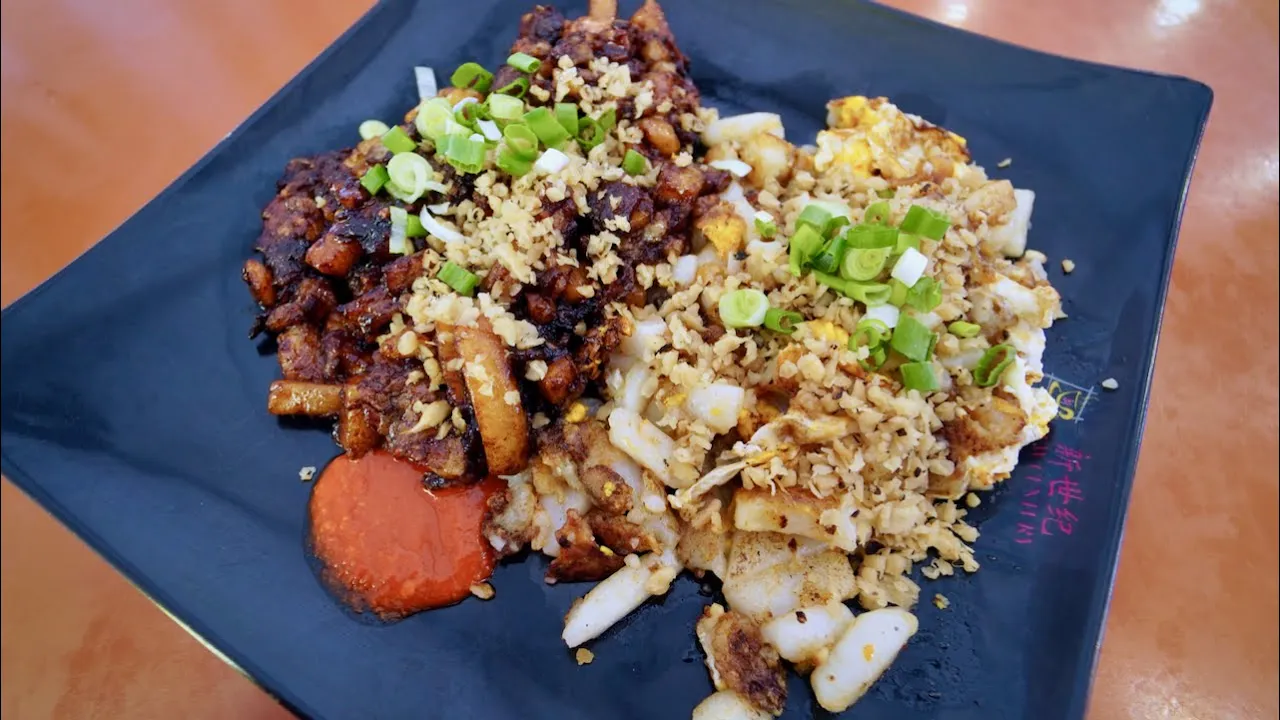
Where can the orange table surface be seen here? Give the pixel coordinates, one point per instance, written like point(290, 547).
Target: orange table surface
point(104, 103)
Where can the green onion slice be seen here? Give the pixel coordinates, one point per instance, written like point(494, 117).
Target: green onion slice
point(925, 295)
point(472, 75)
point(433, 119)
point(886, 193)
point(462, 281)
point(521, 141)
point(765, 225)
point(873, 335)
point(743, 308)
point(516, 88)
point(567, 116)
point(524, 62)
point(962, 329)
point(869, 237)
point(608, 120)
point(408, 175)
point(906, 241)
point(504, 107)
point(865, 293)
point(876, 214)
point(898, 292)
point(413, 227)
point(374, 178)
point(911, 338)
point(864, 264)
point(920, 220)
point(782, 321)
point(590, 134)
point(464, 152)
point(828, 261)
point(823, 216)
point(993, 364)
point(398, 141)
point(633, 163)
point(546, 127)
point(512, 163)
point(919, 376)
point(804, 245)
point(370, 129)
point(398, 242)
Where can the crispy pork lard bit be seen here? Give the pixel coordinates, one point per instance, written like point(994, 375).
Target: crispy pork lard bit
point(740, 660)
point(860, 657)
point(615, 597)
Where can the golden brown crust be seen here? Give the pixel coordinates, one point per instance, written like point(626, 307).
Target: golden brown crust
point(495, 399)
point(743, 661)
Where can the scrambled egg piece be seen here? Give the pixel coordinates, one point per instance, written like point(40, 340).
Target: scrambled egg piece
point(871, 136)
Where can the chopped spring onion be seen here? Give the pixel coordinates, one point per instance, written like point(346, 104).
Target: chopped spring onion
point(919, 376)
point(886, 193)
point(590, 134)
point(962, 329)
point(782, 321)
point(872, 334)
point(866, 293)
point(863, 263)
point(512, 163)
point(551, 162)
point(522, 142)
point(886, 314)
point(898, 293)
point(516, 88)
point(399, 242)
point(413, 227)
point(765, 225)
point(433, 118)
point(912, 339)
point(910, 266)
point(462, 280)
point(920, 220)
point(524, 62)
point(743, 308)
point(822, 216)
point(426, 79)
point(736, 168)
point(876, 214)
point(370, 129)
point(436, 228)
point(408, 175)
point(470, 114)
point(398, 141)
point(804, 245)
point(472, 75)
point(489, 129)
point(993, 364)
point(567, 115)
point(464, 102)
point(546, 127)
point(869, 237)
point(906, 241)
point(464, 152)
point(925, 295)
point(439, 208)
point(608, 120)
point(633, 163)
point(505, 107)
point(829, 260)
point(374, 178)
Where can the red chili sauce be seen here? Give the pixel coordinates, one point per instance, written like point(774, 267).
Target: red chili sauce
point(391, 547)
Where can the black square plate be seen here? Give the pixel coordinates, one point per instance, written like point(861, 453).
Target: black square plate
point(133, 405)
